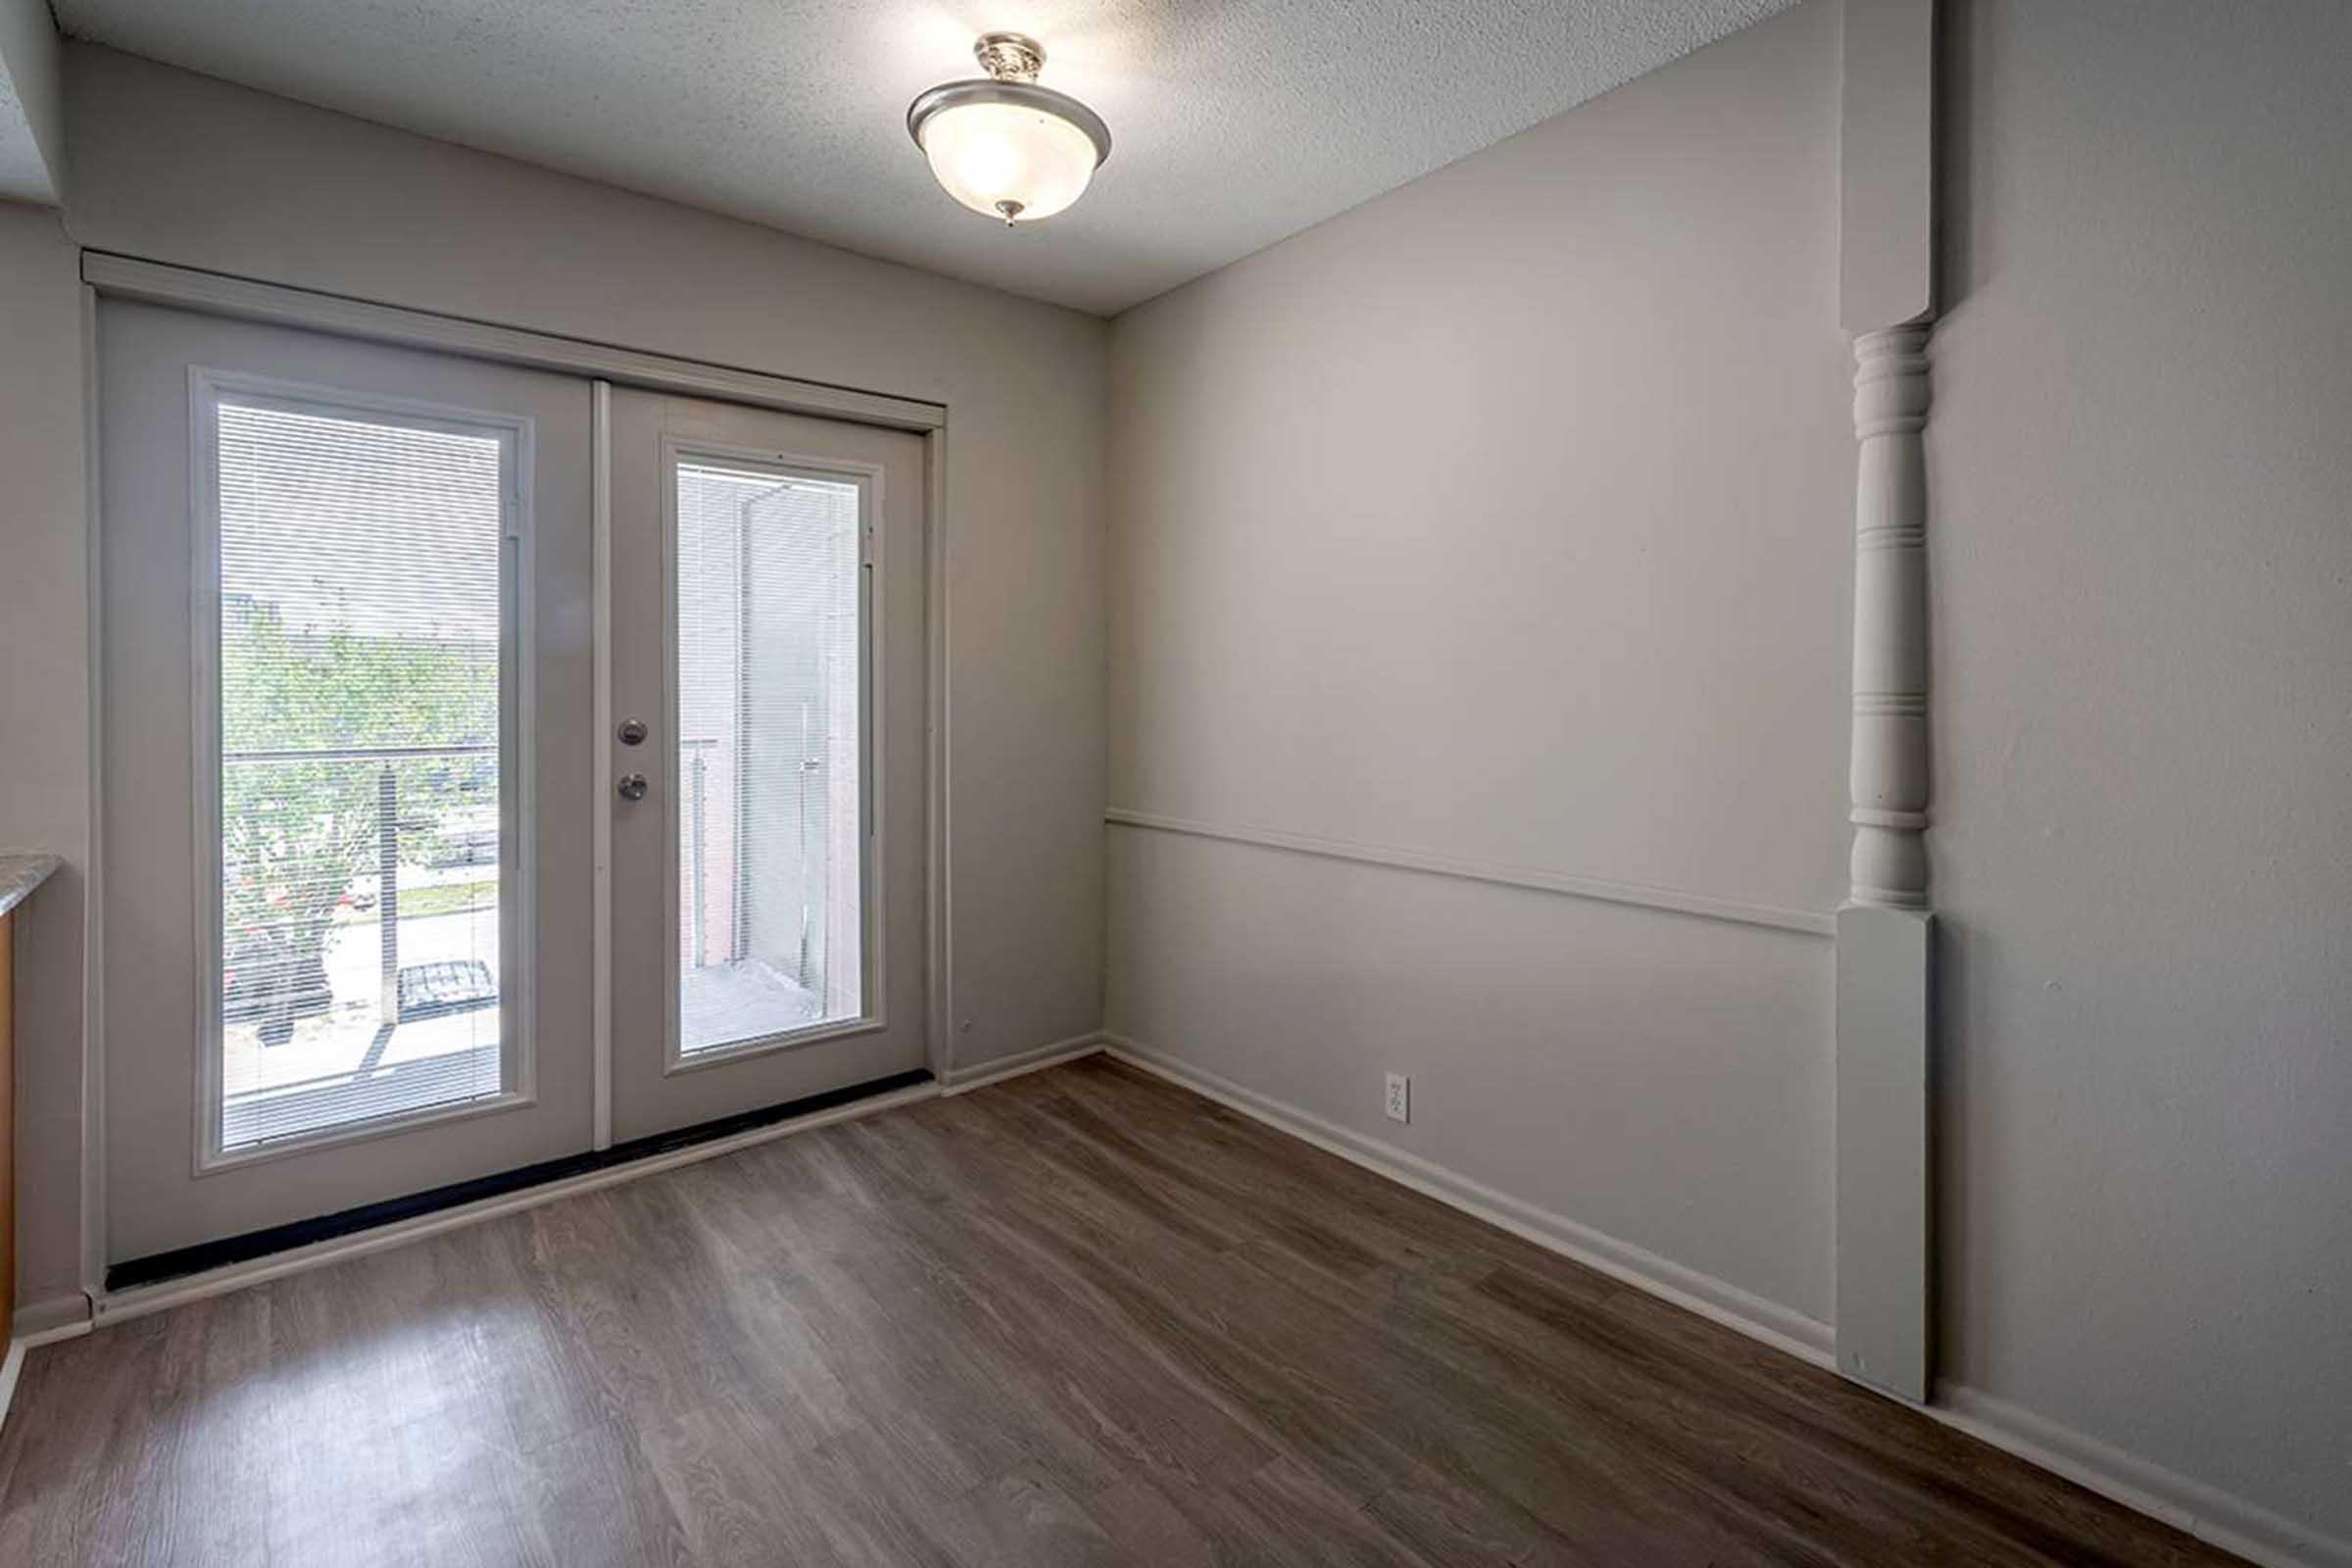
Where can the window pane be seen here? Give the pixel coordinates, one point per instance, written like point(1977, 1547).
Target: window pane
point(769, 938)
point(361, 817)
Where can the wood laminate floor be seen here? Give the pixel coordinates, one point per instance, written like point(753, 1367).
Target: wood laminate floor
point(1078, 1318)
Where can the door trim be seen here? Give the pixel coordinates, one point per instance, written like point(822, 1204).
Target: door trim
point(106, 274)
point(519, 755)
point(92, 1264)
point(599, 608)
point(220, 294)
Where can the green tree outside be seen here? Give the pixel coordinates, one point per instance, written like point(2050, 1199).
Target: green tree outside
point(298, 833)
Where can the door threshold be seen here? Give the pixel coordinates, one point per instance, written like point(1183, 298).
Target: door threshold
point(142, 1285)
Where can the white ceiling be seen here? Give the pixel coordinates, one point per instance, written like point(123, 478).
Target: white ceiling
point(1234, 123)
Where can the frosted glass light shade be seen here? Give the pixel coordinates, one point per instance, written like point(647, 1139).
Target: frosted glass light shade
point(1013, 161)
point(1004, 145)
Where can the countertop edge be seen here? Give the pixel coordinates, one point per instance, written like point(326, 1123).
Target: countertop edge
point(21, 875)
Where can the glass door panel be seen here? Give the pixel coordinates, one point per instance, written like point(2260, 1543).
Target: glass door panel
point(362, 643)
point(770, 705)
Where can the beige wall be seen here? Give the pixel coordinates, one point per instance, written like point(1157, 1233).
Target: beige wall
point(1502, 519)
point(180, 168)
point(2141, 467)
point(1507, 517)
point(44, 719)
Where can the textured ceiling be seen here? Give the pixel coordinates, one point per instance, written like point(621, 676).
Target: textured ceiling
point(29, 133)
point(1235, 122)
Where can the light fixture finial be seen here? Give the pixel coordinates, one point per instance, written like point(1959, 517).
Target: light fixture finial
point(1009, 56)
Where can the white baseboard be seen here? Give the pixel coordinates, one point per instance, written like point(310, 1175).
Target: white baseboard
point(11, 1367)
point(61, 1317)
point(55, 1317)
point(1710, 1298)
point(964, 1080)
point(2228, 1522)
point(2206, 1512)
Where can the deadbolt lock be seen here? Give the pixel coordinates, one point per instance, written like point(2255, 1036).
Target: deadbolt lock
point(631, 732)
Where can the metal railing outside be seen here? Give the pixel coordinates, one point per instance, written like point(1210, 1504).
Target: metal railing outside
point(276, 986)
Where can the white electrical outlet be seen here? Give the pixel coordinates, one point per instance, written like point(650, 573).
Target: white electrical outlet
point(1400, 1098)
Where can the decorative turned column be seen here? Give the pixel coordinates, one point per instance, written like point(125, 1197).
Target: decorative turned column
point(1885, 1323)
point(1888, 780)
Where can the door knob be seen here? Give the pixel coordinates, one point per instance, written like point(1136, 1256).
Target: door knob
point(631, 786)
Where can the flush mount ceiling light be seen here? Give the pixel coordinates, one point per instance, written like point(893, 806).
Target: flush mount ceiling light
point(1004, 145)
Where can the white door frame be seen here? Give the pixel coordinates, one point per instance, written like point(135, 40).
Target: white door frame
point(604, 366)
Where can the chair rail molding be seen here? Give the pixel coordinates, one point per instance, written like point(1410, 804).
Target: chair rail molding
point(1883, 1315)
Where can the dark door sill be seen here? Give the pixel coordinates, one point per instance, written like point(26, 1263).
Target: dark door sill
point(157, 1267)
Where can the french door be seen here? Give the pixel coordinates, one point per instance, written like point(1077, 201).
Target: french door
point(353, 770)
point(766, 748)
